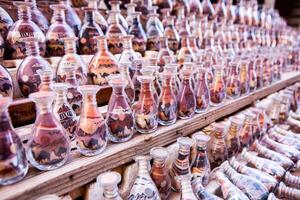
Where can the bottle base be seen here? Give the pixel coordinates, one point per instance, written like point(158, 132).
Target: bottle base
point(166, 123)
point(14, 179)
point(89, 153)
point(216, 104)
point(146, 131)
point(186, 117)
point(200, 111)
point(119, 140)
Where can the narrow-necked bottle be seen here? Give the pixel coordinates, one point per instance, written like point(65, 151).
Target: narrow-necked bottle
point(202, 91)
point(58, 30)
point(119, 117)
point(6, 82)
point(114, 33)
point(129, 89)
point(217, 88)
point(292, 180)
point(6, 22)
point(246, 134)
point(200, 191)
point(46, 77)
point(186, 189)
point(137, 66)
point(163, 51)
point(14, 165)
point(91, 133)
point(181, 165)
point(244, 76)
point(38, 17)
point(49, 146)
point(153, 32)
point(287, 192)
point(99, 19)
point(172, 34)
point(173, 68)
point(145, 109)
point(253, 188)
point(284, 139)
point(232, 139)
point(115, 6)
point(167, 106)
point(71, 16)
point(233, 83)
point(185, 51)
point(21, 29)
point(130, 10)
point(72, 58)
point(159, 172)
point(102, 64)
point(200, 164)
point(143, 186)
point(186, 99)
point(88, 31)
point(27, 74)
point(109, 182)
point(267, 180)
point(63, 111)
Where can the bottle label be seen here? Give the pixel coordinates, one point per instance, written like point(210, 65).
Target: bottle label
point(67, 119)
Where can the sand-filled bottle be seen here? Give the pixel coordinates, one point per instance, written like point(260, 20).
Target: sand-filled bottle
point(6, 82)
point(71, 16)
point(246, 133)
point(6, 22)
point(99, 19)
point(109, 182)
point(233, 83)
point(49, 146)
point(91, 133)
point(38, 17)
point(202, 91)
point(185, 51)
point(115, 6)
point(200, 191)
point(172, 34)
point(292, 180)
point(287, 192)
point(164, 50)
point(217, 88)
point(154, 32)
point(232, 139)
point(284, 139)
point(13, 162)
point(129, 89)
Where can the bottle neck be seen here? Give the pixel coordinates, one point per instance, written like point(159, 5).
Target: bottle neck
point(136, 20)
point(93, 4)
point(46, 80)
point(159, 162)
point(71, 77)
point(61, 97)
point(115, 7)
point(24, 13)
point(90, 16)
point(59, 16)
point(163, 43)
point(102, 45)
point(5, 123)
point(143, 167)
point(185, 42)
point(32, 49)
point(146, 88)
point(43, 107)
point(114, 18)
point(186, 187)
point(90, 99)
point(127, 44)
point(70, 47)
point(118, 90)
point(111, 192)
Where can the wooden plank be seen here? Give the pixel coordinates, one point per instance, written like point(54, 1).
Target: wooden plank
point(81, 170)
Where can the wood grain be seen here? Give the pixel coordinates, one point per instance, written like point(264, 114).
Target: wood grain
point(81, 170)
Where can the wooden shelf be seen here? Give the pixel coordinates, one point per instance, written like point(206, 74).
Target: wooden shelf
point(81, 170)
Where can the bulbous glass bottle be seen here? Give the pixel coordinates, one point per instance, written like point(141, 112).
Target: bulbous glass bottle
point(208, 9)
point(167, 106)
point(232, 138)
point(6, 83)
point(21, 29)
point(233, 83)
point(114, 33)
point(46, 77)
point(63, 111)
point(200, 165)
point(217, 88)
point(246, 134)
point(159, 172)
point(181, 165)
point(71, 16)
point(129, 89)
point(103, 63)
point(163, 51)
point(202, 91)
point(185, 51)
point(145, 109)
point(27, 74)
point(139, 41)
point(181, 3)
point(217, 150)
point(172, 34)
point(173, 68)
point(91, 133)
point(152, 70)
point(143, 186)
point(137, 66)
point(115, 6)
point(99, 19)
point(58, 30)
point(119, 117)
point(186, 99)
point(38, 17)
point(244, 76)
point(109, 182)
point(6, 22)
point(72, 58)
point(13, 161)
point(49, 146)
point(253, 188)
point(87, 35)
point(153, 33)
point(130, 9)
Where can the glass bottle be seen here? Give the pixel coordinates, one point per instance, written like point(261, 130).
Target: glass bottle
point(252, 75)
point(139, 40)
point(187, 192)
point(130, 9)
point(181, 4)
point(99, 19)
point(38, 17)
point(284, 132)
point(114, 33)
point(152, 71)
point(253, 188)
point(229, 190)
point(145, 109)
point(102, 64)
point(244, 76)
point(208, 9)
point(284, 139)
point(6, 82)
point(63, 111)
point(119, 117)
point(137, 66)
point(287, 150)
point(292, 180)
point(27, 74)
point(115, 6)
point(72, 58)
point(71, 16)
point(217, 88)
point(200, 165)
point(233, 83)
point(154, 18)
point(88, 31)
point(143, 186)
point(109, 182)
point(91, 133)
point(267, 180)
point(287, 192)
point(186, 99)
point(232, 139)
point(193, 45)
point(159, 172)
point(153, 33)
point(49, 146)
point(246, 134)
point(173, 68)
point(58, 30)
point(217, 150)
point(167, 106)
point(162, 52)
point(129, 89)
point(6, 22)
point(200, 191)
point(21, 29)
point(13, 161)
point(46, 77)
point(185, 51)
point(202, 91)
point(270, 167)
point(74, 96)
point(128, 54)
point(181, 165)
point(172, 34)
